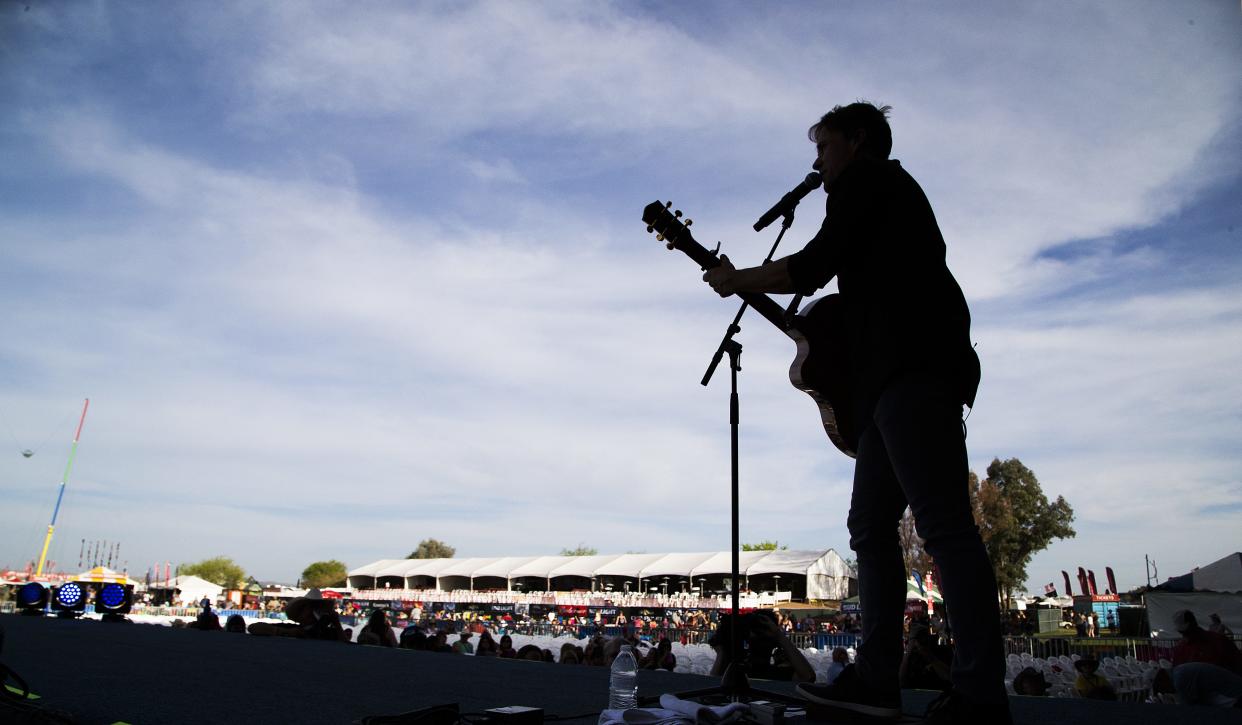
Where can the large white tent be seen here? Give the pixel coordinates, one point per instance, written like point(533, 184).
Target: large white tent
point(1215, 588)
point(825, 573)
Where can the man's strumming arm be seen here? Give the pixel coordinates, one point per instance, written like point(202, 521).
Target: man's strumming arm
point(772, 277)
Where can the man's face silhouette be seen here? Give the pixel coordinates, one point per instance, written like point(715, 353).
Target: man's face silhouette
point(833, 153)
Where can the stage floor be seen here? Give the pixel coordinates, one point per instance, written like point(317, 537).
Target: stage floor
point(140, 674)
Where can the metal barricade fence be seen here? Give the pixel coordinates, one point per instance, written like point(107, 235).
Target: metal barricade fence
point(1145, 650)
point(802, 640)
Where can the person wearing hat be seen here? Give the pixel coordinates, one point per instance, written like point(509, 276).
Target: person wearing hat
point(311, 616)
point(767, 653)
point(1207, 666)
point(1090, 684)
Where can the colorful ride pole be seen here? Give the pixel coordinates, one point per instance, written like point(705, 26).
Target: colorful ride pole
point(73, 450)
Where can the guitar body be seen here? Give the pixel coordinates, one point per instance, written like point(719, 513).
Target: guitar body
point(821, 368)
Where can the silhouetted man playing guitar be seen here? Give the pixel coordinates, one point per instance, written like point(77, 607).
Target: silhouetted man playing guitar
point(912, 366)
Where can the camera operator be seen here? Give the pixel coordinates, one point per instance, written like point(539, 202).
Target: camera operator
point(926, 664)
point(767, 653)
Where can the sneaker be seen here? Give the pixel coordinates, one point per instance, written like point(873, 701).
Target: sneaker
point(952, 708)
point(850, 694)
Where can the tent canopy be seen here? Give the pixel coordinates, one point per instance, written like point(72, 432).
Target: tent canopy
point(1222, 575)
point(722, 563)
point(104, 575)
point(193, 588)
point(672, 565)
point(826, 573)
point(628, 565)
point(502, 566)
point(584, 566)
point(912, 592)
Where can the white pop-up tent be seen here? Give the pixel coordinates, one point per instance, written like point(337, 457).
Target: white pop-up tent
point(192, 589)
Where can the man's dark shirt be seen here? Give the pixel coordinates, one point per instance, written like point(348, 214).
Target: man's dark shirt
point(903, 310)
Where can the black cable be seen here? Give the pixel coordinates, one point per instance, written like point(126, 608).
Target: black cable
point(14, 703)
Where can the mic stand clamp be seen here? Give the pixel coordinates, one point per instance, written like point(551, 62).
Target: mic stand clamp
point(734, 327)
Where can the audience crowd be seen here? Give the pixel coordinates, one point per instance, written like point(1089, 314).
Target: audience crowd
point(1205, 669)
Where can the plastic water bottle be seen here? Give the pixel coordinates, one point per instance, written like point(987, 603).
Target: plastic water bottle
point(623, 683)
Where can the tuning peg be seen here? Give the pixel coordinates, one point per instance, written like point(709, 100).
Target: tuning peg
point(677, 213)
point(689, 222)
point(670, 246)
point(650, 229)
point(660, 237)
point(668, 205)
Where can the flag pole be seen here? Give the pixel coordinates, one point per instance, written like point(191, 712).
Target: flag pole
point(73, 450)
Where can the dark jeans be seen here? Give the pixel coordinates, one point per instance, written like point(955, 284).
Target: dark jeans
point(913, 452)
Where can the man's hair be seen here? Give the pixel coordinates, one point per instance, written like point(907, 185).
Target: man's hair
point(859, 116)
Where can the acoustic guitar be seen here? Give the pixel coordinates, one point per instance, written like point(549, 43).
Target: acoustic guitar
point(821, 367)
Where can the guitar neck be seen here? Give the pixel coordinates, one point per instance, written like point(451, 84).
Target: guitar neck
point(770, 309)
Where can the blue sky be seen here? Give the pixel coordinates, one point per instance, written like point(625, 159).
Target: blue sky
point(340, 277)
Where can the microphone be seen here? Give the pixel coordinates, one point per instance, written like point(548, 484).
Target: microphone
point(790, 200)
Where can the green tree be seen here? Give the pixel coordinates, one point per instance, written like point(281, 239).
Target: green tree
point(217, 570)
point(763, 546)
point(581, 550)
point(331, 573)
point(432, 549)
point(1016, 520)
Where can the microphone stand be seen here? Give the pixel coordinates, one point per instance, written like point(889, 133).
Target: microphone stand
point(734, 328)
point(734, 683)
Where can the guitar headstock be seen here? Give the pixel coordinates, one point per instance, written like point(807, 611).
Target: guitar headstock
point(666, 222)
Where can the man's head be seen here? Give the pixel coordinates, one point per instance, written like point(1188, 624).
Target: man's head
point(1184, 621)
point(1087, 665)
point(1031, 682)
point(846, 132)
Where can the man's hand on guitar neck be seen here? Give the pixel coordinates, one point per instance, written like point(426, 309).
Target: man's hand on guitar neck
point(771, 277)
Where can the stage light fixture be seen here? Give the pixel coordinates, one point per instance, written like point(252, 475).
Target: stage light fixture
point(32, 598)
point(113, 598)
point(69, 599)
